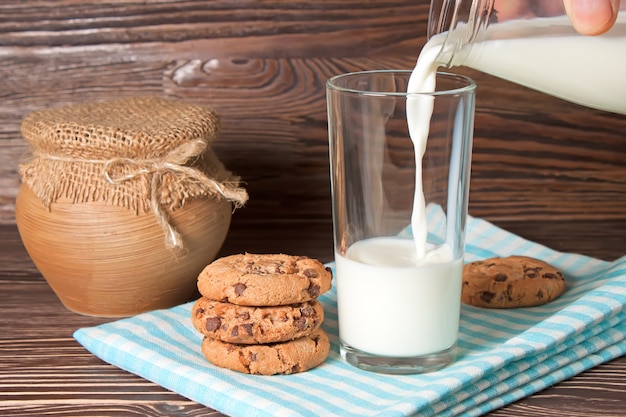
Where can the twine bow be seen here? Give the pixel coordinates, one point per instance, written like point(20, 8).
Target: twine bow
point(172, 162)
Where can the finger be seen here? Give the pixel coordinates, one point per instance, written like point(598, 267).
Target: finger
point(592, 17)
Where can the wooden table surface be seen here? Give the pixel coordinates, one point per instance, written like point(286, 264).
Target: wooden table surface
point(44, 371)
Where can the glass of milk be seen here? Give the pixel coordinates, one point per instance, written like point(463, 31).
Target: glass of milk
point(400, 169)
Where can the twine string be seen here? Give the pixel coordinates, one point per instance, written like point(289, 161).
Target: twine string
point(173, 162)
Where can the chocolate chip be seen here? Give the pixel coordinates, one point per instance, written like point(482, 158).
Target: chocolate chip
point(235, 331)
point(306, 311)
point(540, 294)
point(252, 268)
point(213, 323)
point(300, 323)
point(328, 269)
point(199, 311)
point(248, 328)
point(314, 290)
point(279, 269)
point(310, 273)
point(239, 288)
point(487, 296)
point(549, 275)
point(509, 292)
point(252, 356)
point(531, 272)
point(500, 277)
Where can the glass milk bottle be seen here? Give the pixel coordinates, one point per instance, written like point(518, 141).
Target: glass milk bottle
point(533, 43)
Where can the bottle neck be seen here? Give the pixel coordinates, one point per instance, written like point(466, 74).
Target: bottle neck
point(461, 22)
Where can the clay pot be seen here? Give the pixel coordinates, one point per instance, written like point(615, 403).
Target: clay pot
point(105, 260)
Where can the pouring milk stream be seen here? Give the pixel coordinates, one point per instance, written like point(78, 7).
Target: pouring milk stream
point(541, 53)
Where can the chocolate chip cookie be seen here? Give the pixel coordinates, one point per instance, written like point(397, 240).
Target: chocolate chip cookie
point(296, 355)
point(511, 282)
point(264, 280)
point(255, 325)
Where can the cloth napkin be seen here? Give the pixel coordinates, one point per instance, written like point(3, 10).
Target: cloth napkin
point(504, 355)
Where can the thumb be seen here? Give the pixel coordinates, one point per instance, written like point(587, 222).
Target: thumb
point(592, 17)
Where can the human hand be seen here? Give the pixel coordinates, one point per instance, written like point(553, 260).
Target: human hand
point(592, 17)
point(588, 17)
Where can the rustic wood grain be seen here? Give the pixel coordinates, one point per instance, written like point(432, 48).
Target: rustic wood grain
point(262, 66)
point(551, 171)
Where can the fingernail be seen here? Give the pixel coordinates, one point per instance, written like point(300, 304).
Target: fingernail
point(599, 10)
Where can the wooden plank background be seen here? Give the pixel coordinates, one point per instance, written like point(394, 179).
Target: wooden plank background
point(262, 65)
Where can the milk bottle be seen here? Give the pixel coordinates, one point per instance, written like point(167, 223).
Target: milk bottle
point(535, 46)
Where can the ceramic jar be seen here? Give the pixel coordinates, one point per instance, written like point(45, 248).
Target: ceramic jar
point(122, 203)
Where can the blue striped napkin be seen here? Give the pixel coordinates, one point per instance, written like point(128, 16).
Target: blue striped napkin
point(504, 355)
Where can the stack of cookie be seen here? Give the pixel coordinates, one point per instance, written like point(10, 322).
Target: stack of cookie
point(259, 314)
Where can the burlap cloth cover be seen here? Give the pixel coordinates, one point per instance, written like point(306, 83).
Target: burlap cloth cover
point(144, 154)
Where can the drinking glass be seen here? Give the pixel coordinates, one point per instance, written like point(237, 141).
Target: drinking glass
point(398, 252)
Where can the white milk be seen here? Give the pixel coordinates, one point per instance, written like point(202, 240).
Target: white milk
point(588, 70)
point(391, 304)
